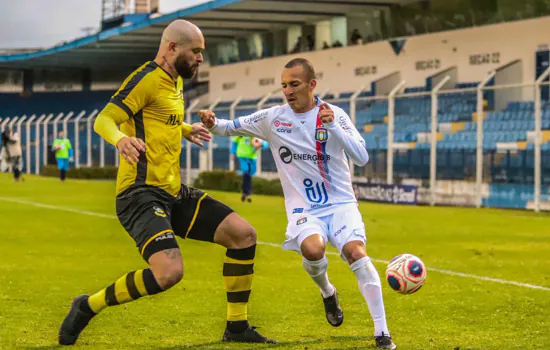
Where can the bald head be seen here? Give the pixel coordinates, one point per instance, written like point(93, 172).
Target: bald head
point(181, 48)
point(181, 32)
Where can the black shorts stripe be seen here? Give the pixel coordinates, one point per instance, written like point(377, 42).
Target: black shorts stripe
point(117, 101)
point(110, 298)
point(132, 83)
point(237, 269)
point(141, 174)
point(242, 254)
point(131, 285)
point(238, 297)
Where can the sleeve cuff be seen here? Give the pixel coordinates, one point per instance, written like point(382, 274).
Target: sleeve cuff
point(215, 124)
point(187, 129)
point(119, 136)
point(332, 125)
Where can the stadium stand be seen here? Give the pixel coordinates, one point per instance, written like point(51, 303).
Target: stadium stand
point(508, 119)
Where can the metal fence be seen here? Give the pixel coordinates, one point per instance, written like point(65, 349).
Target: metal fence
point(477, 145)
point(483, 145)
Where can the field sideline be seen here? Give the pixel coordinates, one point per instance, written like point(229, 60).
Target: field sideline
point(488, 287)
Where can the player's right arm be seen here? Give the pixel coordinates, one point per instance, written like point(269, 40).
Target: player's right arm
point(129, 100)
point(255, 124)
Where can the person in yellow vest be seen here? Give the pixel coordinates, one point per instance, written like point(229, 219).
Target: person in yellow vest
point(63, 154)
point(246, 149)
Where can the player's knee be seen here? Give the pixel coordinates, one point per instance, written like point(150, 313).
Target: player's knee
point(313, 248)
point(235, 233)
point(313, 252)
point(355, 253)
point(248, 237)
point(169, 275)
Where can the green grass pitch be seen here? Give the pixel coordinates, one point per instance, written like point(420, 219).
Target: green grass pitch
point(49, 254)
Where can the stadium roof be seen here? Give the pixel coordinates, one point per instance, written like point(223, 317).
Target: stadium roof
point(220, 20)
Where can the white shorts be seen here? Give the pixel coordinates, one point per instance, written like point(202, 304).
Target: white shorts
point(339, 228)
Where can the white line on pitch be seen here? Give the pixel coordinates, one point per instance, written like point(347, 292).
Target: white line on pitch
point(442, 271)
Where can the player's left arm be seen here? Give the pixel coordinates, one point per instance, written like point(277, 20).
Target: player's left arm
point(339, 126)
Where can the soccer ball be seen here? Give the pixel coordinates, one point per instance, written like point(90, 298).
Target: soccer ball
point(406, 273)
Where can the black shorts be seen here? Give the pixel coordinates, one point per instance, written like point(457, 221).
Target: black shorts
point(153, 217)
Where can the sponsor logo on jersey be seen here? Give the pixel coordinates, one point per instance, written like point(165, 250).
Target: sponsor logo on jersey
point(340, 230)
point(345, 126)
point(174, 119)
point(316, 192)
point(279, 123)
point(159, 211)
point(166, 235)
point(282, 126)
point(301, 221)
point(254, 118)
point(320, 206)
point(298, 210)
point(287, 156)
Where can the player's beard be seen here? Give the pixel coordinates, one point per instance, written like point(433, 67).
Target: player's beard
point(184, 69)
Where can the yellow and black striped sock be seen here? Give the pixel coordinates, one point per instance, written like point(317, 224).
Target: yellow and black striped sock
point(131, 286)
point(238, 270)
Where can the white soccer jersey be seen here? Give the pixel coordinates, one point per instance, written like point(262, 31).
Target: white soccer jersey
point(310, 157)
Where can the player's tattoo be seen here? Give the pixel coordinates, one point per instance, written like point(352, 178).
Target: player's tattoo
point(173, 253)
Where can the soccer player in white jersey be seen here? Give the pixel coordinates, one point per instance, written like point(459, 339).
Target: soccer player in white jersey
point(310, 139)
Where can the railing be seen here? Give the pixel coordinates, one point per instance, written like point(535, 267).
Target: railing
point(481, 146)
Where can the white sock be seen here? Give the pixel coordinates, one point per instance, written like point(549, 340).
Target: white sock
point(369, 285)
point(318, 272)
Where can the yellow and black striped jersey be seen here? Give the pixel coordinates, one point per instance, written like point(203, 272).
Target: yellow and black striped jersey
point(149, 105)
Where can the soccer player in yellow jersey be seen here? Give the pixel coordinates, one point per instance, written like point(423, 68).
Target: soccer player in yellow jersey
point(152, 204)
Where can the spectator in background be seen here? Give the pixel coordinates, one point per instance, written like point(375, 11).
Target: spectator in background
point(247, 148)
point(4, 166)
point(325, 45)
point(356, 38)
point(63, 154)
point(298, 46)
point(337, 43)
point(310, 42)
point(12, 153)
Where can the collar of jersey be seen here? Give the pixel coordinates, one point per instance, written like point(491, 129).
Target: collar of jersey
point(317, 103)
point(168, 74)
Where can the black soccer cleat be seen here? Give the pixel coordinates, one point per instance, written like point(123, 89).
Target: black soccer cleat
point(384, 342)
point(333, 311)
point(75, 321)
point(249, 335)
